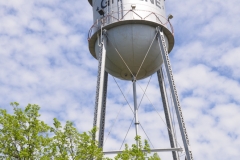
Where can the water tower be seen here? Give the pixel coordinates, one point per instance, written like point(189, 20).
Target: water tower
point(131, 40)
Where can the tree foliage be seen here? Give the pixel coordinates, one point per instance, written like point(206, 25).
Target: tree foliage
point(23, 136)
point(67, 143)
point(137, 152)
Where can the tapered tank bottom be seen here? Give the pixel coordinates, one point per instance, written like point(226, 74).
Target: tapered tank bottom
point(126, 48)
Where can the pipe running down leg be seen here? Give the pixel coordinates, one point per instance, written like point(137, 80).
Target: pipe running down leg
point(135, 106)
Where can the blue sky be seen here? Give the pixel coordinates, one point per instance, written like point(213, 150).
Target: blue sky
point(44, 59)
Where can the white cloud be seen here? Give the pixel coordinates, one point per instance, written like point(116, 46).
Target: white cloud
point(44, 59)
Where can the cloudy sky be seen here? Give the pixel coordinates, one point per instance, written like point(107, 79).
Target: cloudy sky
point(44, 59)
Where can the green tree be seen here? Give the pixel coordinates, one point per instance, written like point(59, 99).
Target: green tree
point(137, 152)
point(23, 135)
point(67, 143)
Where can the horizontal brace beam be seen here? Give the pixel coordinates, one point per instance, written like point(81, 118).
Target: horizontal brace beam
point(151, 150)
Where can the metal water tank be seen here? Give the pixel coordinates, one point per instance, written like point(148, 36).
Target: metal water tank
point(131, 34)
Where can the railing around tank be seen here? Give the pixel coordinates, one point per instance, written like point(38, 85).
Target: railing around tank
point(114, 17)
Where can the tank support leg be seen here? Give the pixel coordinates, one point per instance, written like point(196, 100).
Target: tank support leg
point(167, 113)
point(181, 123)
point(101, 94)
point(135, 106)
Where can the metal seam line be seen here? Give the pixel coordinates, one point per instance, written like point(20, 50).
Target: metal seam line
point(120, 56)
point(147, 53)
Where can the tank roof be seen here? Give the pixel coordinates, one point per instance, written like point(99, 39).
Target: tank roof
point(90, 1)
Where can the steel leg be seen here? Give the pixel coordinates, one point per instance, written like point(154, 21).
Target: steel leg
point(164, 51)
point(135, 106)
point(167, 113)
point(101, 93)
